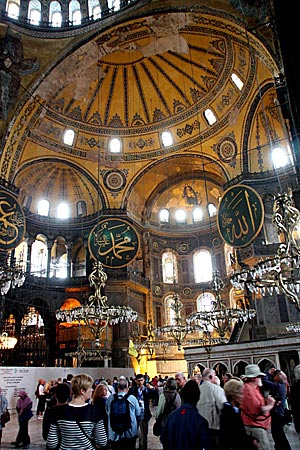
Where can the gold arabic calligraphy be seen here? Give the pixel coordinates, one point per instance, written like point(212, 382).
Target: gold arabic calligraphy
point(10, 222)
point(242, 220)
point(113, 242)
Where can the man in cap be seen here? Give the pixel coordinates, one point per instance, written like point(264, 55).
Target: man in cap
point(255, 409)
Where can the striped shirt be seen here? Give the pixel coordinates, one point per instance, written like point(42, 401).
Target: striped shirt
point(65, 433)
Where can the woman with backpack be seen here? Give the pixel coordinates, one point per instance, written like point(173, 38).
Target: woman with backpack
point(169, 401)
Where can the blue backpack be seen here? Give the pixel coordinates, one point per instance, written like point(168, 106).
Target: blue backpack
point(120, 420)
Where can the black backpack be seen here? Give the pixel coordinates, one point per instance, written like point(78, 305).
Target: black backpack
point(120, 420)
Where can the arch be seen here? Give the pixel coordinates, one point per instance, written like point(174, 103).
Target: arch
point(239, 368)
point(203, 265)
point(169, 267)
point(220, 369)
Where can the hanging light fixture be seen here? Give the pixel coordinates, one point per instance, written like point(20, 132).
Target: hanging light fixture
point(279, 273)
point(7, 342)
point(12, 274)
point(97, 314)
point(178, 330)
point(220, 318)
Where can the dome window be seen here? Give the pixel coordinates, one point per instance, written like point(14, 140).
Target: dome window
point(43, 208)
point(210, 117)
point(115, 145)
point(279, 157)
point(164, 215)
point(63, 211)
point(167, 138)
point(197, 214)
point(13, 9)
point(69, 136)
point(237, 81)
point(180, 215)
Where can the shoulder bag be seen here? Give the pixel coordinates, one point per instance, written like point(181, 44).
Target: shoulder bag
point(160, 421)
point(5, 417)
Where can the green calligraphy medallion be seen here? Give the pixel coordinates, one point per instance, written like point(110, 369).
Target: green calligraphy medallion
point(12, 222)
point(240, 215)
point(114, 242)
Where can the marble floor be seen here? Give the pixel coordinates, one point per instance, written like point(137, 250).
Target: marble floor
point(37, 442)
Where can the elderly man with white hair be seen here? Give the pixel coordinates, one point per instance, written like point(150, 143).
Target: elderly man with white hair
point(212, 399)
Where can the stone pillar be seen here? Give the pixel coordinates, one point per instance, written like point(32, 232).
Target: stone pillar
point(69, 260)
point(29, 250)
point(49, 247)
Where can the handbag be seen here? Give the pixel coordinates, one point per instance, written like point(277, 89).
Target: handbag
point(157, 426)
point(5, 417)
point(162, 418)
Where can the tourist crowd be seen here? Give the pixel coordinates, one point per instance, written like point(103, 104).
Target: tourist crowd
point(203, 412)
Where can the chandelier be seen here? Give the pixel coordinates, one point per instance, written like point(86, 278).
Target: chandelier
point(11, 275)
point(97, 314)
point(280, 273)
point(178, 330)
point(293, 327)
point(7, 342)
point(220, 318)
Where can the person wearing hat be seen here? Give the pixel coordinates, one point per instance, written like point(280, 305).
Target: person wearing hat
point(24, 410)
point(255, 409)
point(185, 428)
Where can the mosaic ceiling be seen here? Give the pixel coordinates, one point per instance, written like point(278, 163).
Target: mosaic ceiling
point(133, 81)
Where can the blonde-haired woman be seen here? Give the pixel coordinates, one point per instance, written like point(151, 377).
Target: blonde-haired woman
point(78, 424)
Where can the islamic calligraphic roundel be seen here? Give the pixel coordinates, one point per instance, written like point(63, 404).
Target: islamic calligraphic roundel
point(114, 242)
point(240, 215)
point(12, 222)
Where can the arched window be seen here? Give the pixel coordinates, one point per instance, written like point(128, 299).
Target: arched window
point(279, 157)
point(210, 117)
point(212, 210)
point(169, 311)
point(43, 208)
point(63, 211)
point(180, 215)
point(81, 208)
point(202, 266)
point(197, 214)
point(69, 136)
point(205, 301)
point(237, 81)
point(58, 264)
point(74, 12)
point(114, 5)
point(164, 215)
point(21, 252)
point(115, 145)
point(94, 9)
point(34, 12)
point(13, 9)
point(39, 256)
point(167, 138)
point(55, 17)
point(32, 324)
point(169, 267)
point(229, 259)
point(27, 201)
